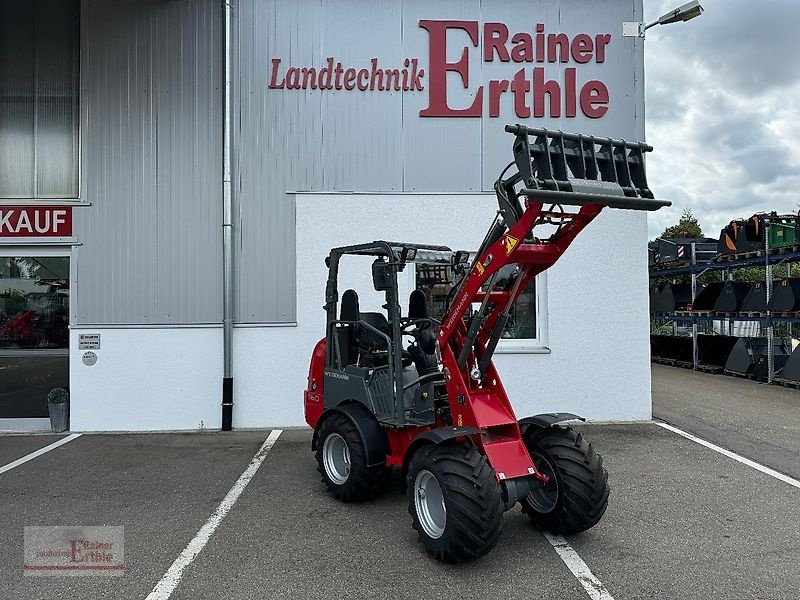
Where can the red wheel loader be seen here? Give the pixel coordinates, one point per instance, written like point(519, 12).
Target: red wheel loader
point(421, 393)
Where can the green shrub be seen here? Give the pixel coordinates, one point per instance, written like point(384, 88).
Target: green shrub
point(57, 396)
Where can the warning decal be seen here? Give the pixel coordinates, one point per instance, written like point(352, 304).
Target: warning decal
point(511, 243)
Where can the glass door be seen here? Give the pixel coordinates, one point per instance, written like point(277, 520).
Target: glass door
point(34, 332)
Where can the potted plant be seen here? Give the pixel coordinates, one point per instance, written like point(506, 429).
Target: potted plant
point(57, 407)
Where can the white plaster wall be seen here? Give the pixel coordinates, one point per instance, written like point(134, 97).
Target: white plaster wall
point(147, 379)
point(597, 308)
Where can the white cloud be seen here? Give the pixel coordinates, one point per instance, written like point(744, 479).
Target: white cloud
point(723, 111)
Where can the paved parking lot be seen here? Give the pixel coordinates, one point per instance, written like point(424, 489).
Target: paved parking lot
point(757, 420)
point(683, 522)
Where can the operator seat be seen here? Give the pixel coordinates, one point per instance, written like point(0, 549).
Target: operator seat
point(346, 333)
point(369, 340)
point(364, 346)
point(418, 309)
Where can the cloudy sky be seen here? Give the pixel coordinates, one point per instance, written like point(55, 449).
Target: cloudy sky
point(723, 110)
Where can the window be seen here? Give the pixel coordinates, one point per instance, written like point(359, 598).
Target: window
point(34, 302)
point(521, 323)
point(34, 332)
point(524, 330)
point(39, 145)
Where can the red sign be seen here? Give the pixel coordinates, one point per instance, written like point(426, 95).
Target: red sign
point(533, 94)
point(35, 221)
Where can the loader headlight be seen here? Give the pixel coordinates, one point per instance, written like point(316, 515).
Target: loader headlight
point(408, 254)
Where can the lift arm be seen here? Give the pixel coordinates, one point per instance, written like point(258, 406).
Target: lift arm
point(561, 183)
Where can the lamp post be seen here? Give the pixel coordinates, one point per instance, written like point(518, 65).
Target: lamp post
point(688, 11)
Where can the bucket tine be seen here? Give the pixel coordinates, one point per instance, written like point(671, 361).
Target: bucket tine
point(578, 170)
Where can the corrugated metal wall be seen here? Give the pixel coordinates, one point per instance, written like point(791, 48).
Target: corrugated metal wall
point(151, 105)
point(312, 140)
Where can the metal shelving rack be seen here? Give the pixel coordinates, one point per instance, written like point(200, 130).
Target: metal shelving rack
point(769, 261)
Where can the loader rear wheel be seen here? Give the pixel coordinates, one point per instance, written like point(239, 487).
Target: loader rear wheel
point(342, 461)
point(454, 501)
point(577, 495)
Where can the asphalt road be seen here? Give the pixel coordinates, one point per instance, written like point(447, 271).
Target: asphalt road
point(684, 522)
point(756, 420)
point(160, 487)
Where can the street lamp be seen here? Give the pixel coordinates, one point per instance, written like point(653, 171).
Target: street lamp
point(688, 11)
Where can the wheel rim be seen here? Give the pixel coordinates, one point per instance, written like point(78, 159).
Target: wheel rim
point(429, 502)
point(544, 498)
point(336, 458)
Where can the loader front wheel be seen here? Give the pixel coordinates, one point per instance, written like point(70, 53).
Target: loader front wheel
point(454, 501)
point(342, 461)
point(576, 497)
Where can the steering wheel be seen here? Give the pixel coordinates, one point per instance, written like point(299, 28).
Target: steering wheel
point(417, 324)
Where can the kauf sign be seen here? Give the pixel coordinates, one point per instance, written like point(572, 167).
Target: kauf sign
point(35, 221)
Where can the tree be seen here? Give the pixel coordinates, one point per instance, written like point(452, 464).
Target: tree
point(687, 227)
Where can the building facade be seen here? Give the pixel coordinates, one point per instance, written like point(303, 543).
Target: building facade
point(348, 121)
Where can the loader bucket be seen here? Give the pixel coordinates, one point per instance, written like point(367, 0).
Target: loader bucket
point(674, 297)
point(749, 357)
point(791, 369)
point(666, 250)
point(754, 227)
point(731, 297)
point(756, 299)
point(744, 245)
point(578, 170)
point(674, 347)
point(782, 229)
point(658, 345)
point(733, 239)
point(655, 295)
point(680, 249)
point(714, 350)
point(707, 298)
point(785, 296)
point(727, 240)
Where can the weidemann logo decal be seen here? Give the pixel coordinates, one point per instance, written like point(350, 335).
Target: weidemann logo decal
point(532, 93)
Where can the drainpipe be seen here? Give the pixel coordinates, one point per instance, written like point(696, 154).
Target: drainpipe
point(227, 235)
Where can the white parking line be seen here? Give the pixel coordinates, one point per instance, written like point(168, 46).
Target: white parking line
point(745, 461)
point(172, 577)
point(593, 586)
point(39, 452)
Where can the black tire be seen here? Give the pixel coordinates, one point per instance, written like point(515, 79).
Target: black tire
point(580, 496)
point(362, 482)
point(471, 496)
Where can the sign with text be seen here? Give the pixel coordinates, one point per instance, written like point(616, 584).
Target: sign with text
point(35, 221)
point(70, 551)
point(88, 341)
point(527, 54)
